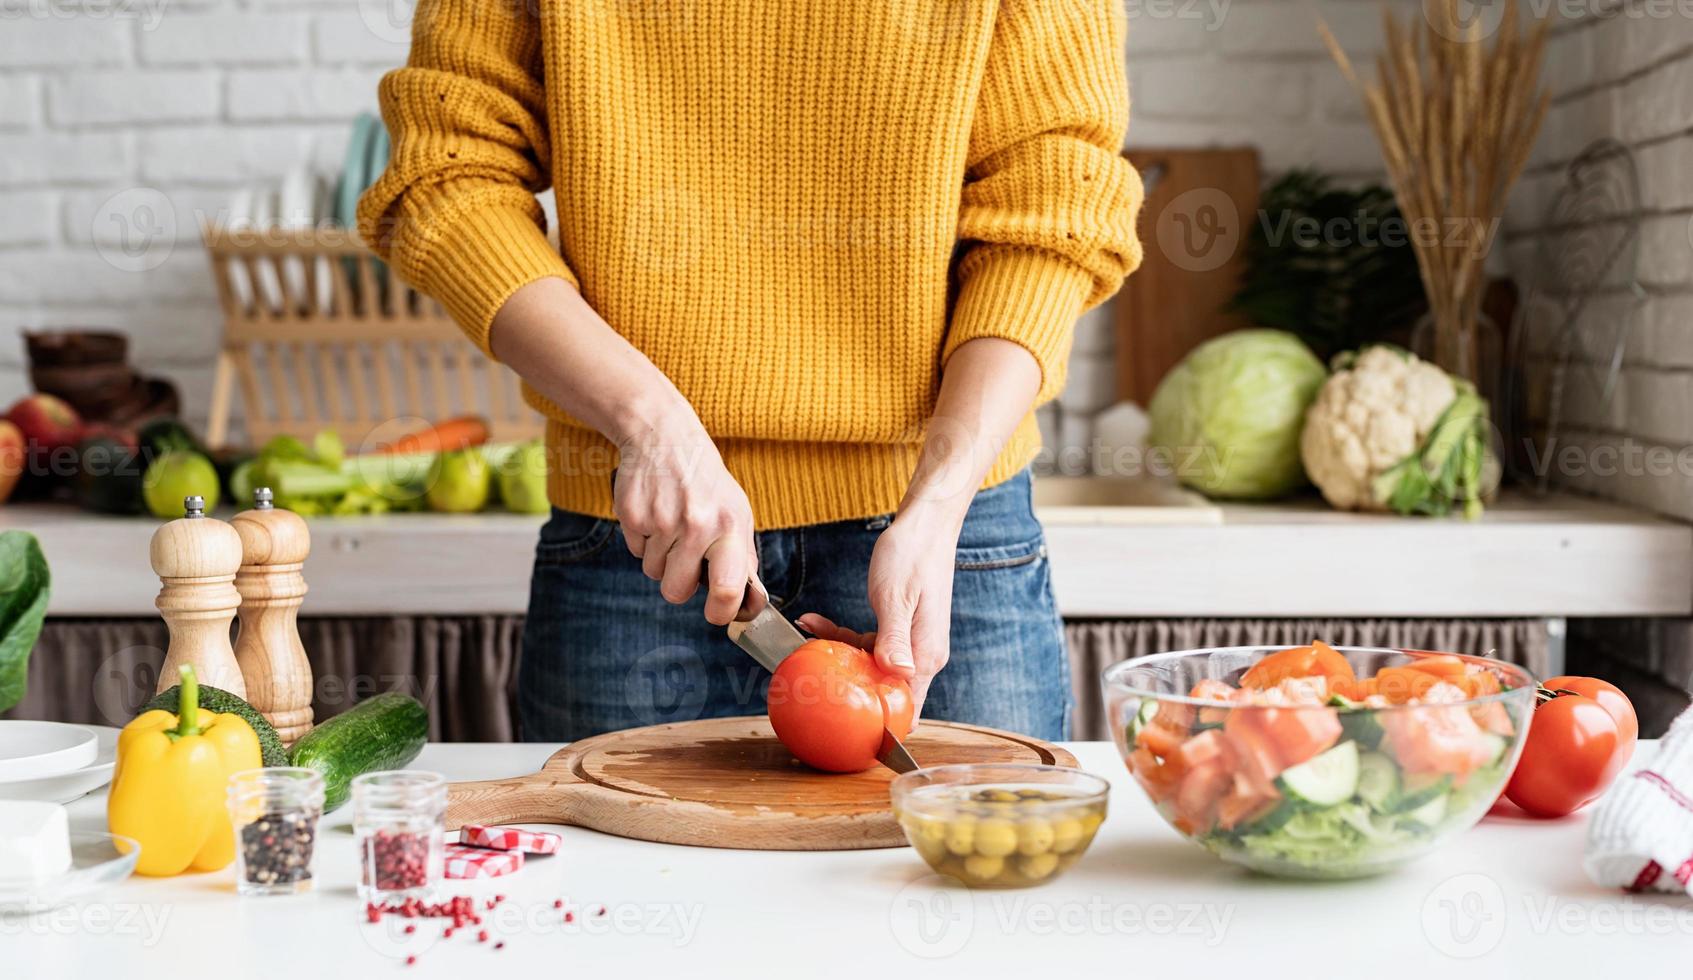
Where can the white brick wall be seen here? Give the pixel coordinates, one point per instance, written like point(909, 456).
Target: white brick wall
point(194, 98)
point(191, 98)
point(1623, 69)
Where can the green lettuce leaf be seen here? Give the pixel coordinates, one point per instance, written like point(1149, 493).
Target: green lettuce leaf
point(24, 584)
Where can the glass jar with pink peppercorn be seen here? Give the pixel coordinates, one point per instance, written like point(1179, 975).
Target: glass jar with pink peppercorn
point(398, 822)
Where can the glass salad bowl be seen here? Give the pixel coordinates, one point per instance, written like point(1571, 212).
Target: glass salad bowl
point(994, 825)
point(1319, 762)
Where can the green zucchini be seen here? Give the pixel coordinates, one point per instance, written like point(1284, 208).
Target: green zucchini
point(224, 703)
point(383, 732)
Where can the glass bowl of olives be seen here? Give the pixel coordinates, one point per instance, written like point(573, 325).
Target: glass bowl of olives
point(1000, 826)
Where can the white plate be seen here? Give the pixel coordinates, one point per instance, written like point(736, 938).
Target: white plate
point(241, 219)
point(71, 785)
point(44, 748)
point(265, 220)
point(97, 860)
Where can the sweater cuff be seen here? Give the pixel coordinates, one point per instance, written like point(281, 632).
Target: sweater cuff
point(1028, 296)
point(478, 260)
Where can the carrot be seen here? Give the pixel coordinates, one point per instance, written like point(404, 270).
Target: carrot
point(1440, 664)
point(442, 437)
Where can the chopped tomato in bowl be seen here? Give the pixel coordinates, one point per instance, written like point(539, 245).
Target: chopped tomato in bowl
point(1319, 761)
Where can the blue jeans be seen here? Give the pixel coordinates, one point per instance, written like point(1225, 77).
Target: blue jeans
point(602, 650)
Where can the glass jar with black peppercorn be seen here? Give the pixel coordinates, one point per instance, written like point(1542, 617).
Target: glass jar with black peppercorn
point(275, 813)
point(398, 819)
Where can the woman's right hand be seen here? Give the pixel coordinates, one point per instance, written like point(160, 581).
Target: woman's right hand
point(683, 513)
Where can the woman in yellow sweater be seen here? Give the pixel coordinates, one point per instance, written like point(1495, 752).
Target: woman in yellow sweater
point(819, 260)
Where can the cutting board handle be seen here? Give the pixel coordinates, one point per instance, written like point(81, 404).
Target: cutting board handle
point(520, 799)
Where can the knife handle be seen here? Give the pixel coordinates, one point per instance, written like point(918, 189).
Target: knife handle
point(753, 601)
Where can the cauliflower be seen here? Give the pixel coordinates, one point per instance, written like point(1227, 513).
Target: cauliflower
point(1391, 432)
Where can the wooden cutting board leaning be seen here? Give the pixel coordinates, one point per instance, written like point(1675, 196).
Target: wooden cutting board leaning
point(1194, 226)
point(724, 782)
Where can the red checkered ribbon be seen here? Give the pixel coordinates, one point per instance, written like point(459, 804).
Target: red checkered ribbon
point(463, 861)
point(510, 839)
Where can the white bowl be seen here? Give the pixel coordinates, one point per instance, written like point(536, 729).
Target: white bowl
point(72, 785)
point(30, 749)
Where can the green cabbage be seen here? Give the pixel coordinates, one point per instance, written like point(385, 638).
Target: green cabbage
point(1228, 417)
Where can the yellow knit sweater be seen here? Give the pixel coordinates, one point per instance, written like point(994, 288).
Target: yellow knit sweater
point(796, 208)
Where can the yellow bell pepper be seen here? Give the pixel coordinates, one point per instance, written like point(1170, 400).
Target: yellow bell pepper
point(170, 781)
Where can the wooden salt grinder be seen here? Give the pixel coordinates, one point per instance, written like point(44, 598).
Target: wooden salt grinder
point(196, 558)
point(274, 546)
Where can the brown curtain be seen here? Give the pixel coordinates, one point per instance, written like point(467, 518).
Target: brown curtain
point(464, 668)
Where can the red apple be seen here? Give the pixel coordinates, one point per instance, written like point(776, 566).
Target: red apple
point(12, 453)
point(47, 422)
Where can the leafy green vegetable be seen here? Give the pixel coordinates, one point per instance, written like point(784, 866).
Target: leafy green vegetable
point(1447, 470)
point(322, 479)
point(1229, 416)
point(1388, 814)
point(1331, 265)
point(24, 586)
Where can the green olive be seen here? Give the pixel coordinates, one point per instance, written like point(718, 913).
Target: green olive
point(1037, 866)
point(1066, 834)
point(961, 836)
point(983, 867)
point(1034, 837)
point(996, 838)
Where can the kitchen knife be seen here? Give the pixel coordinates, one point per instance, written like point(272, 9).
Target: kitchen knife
point(768, 637)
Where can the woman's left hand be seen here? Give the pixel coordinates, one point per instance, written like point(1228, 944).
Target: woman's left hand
point(911, 594)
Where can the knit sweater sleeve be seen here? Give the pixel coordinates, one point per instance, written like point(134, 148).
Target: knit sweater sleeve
point(455, 213)
point(1049, 204)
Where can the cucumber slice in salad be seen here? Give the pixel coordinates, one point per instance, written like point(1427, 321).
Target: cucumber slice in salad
point(1418, 790)
point(1378, 780)
point(1142, 718)
point(1328, 779)
point(1429, 814)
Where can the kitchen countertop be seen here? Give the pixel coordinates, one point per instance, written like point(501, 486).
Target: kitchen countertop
point(1527, 557)
point(1507, 899)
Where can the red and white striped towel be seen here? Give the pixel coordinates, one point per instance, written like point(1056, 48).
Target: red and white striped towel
point(1641, 834)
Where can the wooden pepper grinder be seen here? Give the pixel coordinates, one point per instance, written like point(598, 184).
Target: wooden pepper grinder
point(274, 545)
point(196, 558)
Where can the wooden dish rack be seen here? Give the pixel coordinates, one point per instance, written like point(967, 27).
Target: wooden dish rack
point(319, 334)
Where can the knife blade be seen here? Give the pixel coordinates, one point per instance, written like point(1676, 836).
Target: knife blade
point(768, 638)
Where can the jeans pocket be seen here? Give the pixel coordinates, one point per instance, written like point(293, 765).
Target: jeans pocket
point(990, 557)
point(568, 538)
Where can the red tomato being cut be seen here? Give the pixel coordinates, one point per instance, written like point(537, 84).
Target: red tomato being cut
point(829, 702)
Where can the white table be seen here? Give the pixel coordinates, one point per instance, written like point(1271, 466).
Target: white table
point(1505, 900)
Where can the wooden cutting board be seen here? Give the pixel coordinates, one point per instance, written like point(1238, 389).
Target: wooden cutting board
point(1194, 227)
point(724, 782)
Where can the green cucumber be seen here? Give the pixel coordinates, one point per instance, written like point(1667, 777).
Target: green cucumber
point(1418, 789)
point(1328, 779)
point(222, 702)
point(1378, 781)
point(1430, 813)
point(1142, 718)
point(383, 732)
